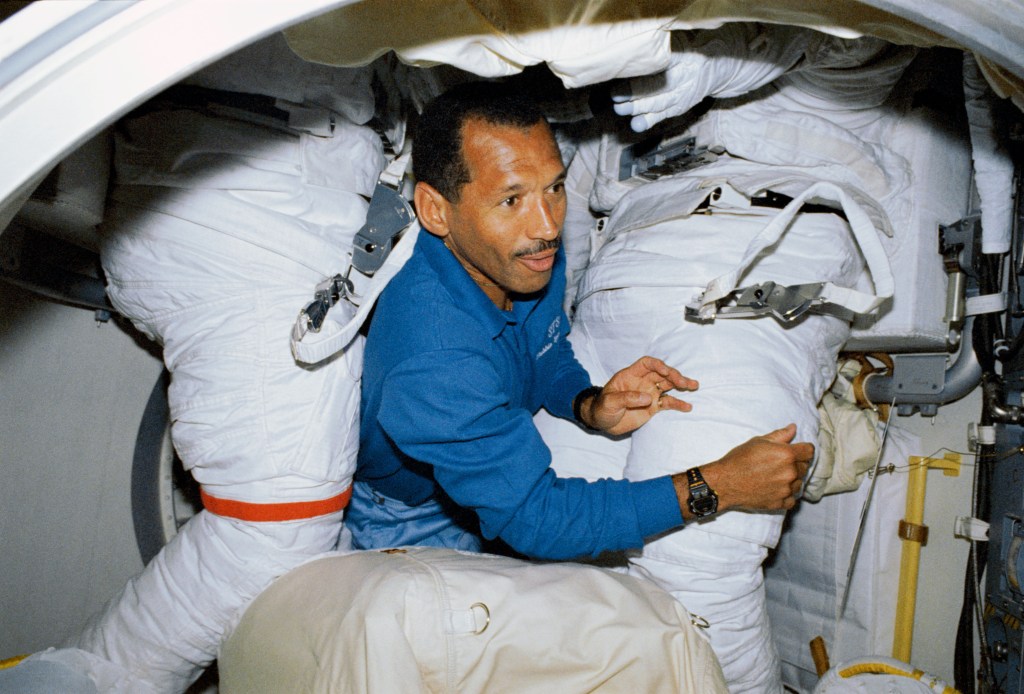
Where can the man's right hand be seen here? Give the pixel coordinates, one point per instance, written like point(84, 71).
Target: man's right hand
point(763, 474)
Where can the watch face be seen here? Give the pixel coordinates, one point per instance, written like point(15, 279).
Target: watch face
point(703, 501)
point(705, 505)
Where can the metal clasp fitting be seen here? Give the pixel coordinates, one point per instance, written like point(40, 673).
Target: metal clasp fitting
point(327, 294)
point(784, 303)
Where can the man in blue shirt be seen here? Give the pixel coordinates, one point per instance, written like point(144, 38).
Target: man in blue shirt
point(468, 342)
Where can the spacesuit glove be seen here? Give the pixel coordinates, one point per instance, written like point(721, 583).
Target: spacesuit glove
point(653, 98)
point(726, 62)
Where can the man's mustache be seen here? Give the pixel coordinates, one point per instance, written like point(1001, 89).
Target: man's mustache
point(553, 244)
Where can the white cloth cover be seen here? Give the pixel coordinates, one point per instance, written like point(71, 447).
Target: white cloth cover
point(423, 619)
point(584, 40)
point(648, 259)
point(847, 447)
point(653, 256)
point(217, 233)
point(580, 45)
point(269, 67)
point(939, 162)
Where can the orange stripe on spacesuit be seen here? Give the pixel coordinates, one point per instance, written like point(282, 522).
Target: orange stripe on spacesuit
point(294, 510)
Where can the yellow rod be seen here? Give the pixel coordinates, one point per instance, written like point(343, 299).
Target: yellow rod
point(910, 558)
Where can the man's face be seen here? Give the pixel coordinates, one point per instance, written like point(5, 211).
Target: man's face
point(506, 226)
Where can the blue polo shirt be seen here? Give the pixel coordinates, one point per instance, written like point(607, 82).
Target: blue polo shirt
point(450, 387)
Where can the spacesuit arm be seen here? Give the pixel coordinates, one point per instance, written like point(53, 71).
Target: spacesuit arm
point(726, 62)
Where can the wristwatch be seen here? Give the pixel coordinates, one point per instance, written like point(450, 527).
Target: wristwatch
point(577, 404)
point(703, 501)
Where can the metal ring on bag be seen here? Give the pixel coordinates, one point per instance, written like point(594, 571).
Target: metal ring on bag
point(699, 622)
point(487, 613)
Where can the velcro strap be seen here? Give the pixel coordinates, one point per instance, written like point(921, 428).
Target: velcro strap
point(913, 532)
point(275, 512)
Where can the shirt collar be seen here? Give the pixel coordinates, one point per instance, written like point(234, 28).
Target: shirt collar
point(467, 293)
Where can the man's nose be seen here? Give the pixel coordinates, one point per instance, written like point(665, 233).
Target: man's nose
point(545, 223)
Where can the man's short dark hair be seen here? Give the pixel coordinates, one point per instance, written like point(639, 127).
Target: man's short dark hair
point(437, 140)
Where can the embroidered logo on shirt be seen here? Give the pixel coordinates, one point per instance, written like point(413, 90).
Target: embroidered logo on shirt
point(554, 335)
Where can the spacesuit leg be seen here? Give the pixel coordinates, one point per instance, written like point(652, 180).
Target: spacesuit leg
point(755, 376)
point(213, 257)
point(271, 443)
point(720, 582)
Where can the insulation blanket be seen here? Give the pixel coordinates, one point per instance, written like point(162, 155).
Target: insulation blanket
point(755, 376)
point(422, 619)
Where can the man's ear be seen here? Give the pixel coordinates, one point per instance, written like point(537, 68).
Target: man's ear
point(432, 209)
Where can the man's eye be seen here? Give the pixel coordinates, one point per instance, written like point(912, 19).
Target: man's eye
point(557, 188)
point(510, 201)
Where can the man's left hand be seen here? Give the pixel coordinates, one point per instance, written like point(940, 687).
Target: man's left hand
point(635, 394)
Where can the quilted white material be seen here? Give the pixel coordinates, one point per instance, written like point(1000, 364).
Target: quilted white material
point(216, 235)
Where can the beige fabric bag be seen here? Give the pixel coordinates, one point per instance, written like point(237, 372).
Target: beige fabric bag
point(435, 620)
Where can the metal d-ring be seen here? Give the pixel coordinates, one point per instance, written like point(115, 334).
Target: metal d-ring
point(487, 613)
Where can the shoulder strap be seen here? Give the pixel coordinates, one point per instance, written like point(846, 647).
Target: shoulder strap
point(390, 226)
point(863, 230)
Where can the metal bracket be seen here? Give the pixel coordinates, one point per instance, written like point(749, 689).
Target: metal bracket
point(663, 158)
point(389, 213)
point(958, 241)
point(784, 303)
point(919, 374)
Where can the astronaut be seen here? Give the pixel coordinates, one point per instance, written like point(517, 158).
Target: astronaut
point(799, 119)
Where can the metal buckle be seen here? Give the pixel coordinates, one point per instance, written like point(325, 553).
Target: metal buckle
point(784, 303)
point(327, 294)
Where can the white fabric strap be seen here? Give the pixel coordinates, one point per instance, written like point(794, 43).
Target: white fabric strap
point(475, 620)
point(863, 230)
point(983, 435)
point(969, 528)
point(394, 173)
point(988, 303)
point(310, 348)
point(315, 120)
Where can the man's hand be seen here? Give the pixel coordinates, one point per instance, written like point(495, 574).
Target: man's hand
point(634, 395)
point(763, 474)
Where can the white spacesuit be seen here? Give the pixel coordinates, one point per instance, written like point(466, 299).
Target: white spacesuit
point(808, 122)
point(222, 221)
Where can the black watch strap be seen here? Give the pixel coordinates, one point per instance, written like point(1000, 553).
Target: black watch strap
point(577, 404)
point(703, 501)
